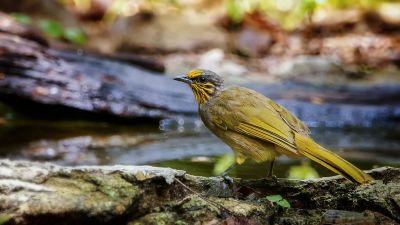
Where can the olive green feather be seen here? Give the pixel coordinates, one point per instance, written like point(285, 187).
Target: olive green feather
point(260, 118)
point(256, 127)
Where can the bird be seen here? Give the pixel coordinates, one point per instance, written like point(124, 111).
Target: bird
point(257, 128)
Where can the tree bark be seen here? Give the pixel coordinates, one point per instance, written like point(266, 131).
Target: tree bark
point(35, 193)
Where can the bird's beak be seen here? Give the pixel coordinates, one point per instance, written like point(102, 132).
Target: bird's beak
point(183, 79)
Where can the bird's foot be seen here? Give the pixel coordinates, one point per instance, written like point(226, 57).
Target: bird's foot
point(272, 177)
point(228, 187)
point(224, 187)
point(227, 179)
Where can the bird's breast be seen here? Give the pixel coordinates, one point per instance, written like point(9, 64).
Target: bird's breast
point(243, 146)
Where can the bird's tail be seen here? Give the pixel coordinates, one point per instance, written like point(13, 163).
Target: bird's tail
point(312, 150)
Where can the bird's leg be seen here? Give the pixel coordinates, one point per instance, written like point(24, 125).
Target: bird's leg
point(227, 171)
point(225, 176)
point(271, 169)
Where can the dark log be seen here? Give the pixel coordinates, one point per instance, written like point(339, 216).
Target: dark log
point(90, 83)
point(33, 193)
point(32, 72)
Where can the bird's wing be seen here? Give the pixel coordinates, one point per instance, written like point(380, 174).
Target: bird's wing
point(252, 114)
point(291, 120)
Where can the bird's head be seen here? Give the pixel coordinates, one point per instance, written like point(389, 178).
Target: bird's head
point(204, 83)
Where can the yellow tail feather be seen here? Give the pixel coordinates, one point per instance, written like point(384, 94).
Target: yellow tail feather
point(309, 148)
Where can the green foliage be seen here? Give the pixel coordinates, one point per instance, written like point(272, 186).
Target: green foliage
point(21, 18)
point(343, 4)
point(234, 10)
point(75, 35)
point(223, 163)
point(54, 29)
point(308, 6)
point(4, 218)
point(303, 171)
point(51, 28)
point(290, 13)
point(277, 199)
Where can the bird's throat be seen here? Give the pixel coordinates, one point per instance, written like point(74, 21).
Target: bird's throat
point(202, 94)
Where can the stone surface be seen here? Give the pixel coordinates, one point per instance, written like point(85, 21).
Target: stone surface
point(42, 193)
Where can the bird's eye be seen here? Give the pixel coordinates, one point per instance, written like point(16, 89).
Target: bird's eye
point(202, 79)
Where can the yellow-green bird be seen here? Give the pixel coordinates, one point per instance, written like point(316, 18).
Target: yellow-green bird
point(257, 128)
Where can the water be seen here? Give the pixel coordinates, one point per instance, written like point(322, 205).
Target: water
point(179, 144)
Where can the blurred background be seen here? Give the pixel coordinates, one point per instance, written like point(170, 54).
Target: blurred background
point(89, 82)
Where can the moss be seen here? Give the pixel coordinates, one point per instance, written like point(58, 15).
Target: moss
point(180, 222)
point(194, 203)
point(241, 207)
point(70, 185)
point(298, 217)
point(196, 208)
point(112, 185)
point(161, 218)
point(106, 195)
point(62, 173)
point(96, 194)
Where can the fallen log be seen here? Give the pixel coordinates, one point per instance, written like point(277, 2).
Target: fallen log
point(35, 193)
point(30, 71)
point(33, 73)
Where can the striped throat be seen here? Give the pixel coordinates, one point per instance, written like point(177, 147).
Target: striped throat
point(204, 84)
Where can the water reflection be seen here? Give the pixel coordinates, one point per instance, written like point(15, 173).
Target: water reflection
point(181, 144)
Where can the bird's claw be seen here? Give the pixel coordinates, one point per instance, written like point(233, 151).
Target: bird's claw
point(227, 179)
point(227, 184)
point(272, 177)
